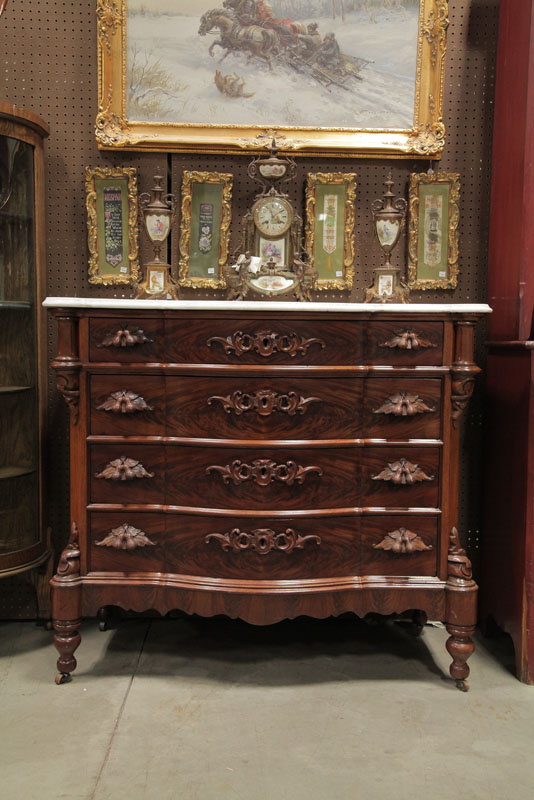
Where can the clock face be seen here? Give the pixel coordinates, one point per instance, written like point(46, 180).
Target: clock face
point(272, 215)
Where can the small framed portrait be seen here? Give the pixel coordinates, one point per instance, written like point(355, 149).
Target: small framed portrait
point(111, 202)
point(205, 229)
point(385, 285)
point(155, 279)
point(330, 228)
point(273, 250)
point(434, 213)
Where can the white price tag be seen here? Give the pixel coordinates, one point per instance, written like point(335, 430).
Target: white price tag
point(211, 270)
point(339, 273)
point(442, 274)
point(123, 269)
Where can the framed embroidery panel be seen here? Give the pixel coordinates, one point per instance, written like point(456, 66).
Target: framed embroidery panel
point(205, 228)
point(111, 202)
point(330, 227)
point(321, 78)
point(434, 213)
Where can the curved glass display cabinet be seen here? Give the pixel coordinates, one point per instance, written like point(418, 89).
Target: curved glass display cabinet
point(22, 263)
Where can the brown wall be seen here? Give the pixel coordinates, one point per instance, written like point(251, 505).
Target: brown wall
point(50, 66)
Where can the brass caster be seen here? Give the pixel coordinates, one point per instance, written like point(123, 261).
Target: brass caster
point(462, 685)
point(48, 625)
point(62, 677)
point(102, 625)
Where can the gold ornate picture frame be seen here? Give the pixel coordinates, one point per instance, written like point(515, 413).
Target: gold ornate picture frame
point(112, 209)
point(434, 214)
point(330, 221)
point(206, 213)
point(162, 87)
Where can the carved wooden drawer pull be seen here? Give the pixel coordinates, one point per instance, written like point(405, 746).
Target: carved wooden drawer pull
point(264, 402)
point(124, 469)
point(263, 471)
point(126, 537)
point(402, 541)
point(403, 404)
point(125, 337)
point(403, 473)
point(408, 340)
point(265, 343)
point(124, 402)
point(262, 540)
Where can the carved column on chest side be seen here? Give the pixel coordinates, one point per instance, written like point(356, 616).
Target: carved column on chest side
point(67, 362)
point(66, 585)
point(71, 380)
point(464, 372)
point(461, 590)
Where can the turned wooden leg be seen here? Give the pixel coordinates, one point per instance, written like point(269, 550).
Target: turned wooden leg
point(67, 606)
point(460, 646)
point(461, 611)
point(419, 619)
point(103, 616)
point(66, 640)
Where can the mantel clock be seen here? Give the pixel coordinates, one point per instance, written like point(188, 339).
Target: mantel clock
point(272, 230)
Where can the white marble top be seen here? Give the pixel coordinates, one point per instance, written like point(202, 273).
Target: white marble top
point(259, 305)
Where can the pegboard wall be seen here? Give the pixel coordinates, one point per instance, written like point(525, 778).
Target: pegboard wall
point(49, 65)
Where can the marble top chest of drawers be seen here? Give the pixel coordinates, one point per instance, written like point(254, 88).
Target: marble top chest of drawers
point(264, 461)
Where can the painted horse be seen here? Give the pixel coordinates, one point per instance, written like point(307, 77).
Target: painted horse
point(258, 42)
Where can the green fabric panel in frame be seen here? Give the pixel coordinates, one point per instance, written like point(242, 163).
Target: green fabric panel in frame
point(206, 209)
point(433, 234)
point(112, 222)
point(329, 230)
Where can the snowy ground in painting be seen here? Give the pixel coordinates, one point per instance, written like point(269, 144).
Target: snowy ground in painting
point(283, 97)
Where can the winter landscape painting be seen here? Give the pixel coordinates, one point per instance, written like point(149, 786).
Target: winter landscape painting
point(287, 65)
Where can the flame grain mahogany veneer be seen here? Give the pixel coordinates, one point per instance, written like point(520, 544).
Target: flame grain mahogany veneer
point(247, 461)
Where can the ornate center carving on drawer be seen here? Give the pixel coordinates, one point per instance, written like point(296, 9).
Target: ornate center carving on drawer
point(408, 340)
point(403, 404)
point(263, 471)
point(124, 337)
point(124, 402)
point(126, 537)
point(402, 473)
point(124, 469)
point(265, 402)
point(402, 541)
point(265, 343)
point(262, 540)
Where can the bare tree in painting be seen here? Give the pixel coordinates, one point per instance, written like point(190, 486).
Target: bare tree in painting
point(150, 86)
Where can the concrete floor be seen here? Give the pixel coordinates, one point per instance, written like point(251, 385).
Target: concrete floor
point(215, 709)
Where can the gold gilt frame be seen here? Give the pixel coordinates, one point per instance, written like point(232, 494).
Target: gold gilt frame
point(115, 131)
point(416, 280)
point(190, 178)
point(330, 179)
point(97, 272)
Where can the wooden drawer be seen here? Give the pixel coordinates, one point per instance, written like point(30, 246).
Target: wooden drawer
point(269, 549)
point(226, 547)
point(264, 408)
point(407, 345)
point(126, 341)
point(400, 477)
point(402, 408)
point(262, 478)
point(127, 473)
point(265, 478)
point(127, 405)
point(252, 341)
point(390, 545)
